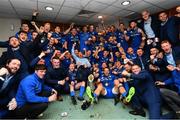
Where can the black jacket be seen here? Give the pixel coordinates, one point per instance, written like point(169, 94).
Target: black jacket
point(155, 25)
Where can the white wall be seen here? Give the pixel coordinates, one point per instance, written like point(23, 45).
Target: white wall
point(8, 27)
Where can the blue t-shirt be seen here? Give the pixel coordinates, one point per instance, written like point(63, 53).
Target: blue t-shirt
point(71, 39)
point(107, 81)
point(83, 38)
point(121, 39)
point(135, 38)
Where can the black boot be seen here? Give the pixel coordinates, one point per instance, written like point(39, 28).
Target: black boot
point(80, 98)
point(73, 99)
point(140, 112)
point(116, 99)
point(85, 105)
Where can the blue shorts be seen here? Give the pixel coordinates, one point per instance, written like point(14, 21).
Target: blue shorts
point(109, 92)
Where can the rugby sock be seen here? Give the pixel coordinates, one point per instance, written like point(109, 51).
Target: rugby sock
point(82, 88)
point(95, 95)
point(124, 94)
point(126, 86)
point(72, 93)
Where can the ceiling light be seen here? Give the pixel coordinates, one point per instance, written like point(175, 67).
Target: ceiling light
point(49, 8)
point(100, 17)
point(125, 3)
point(131, 13)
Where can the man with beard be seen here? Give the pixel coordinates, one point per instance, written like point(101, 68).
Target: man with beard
point(136, 37)
point(9, 77)
point(16, 50)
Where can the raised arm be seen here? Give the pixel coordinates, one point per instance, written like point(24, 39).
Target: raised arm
point(35, 60)
point(68, 30)
point(34, 15)
point(140, 76)
point(73, 54)
point(36, 27)
point(62, 55)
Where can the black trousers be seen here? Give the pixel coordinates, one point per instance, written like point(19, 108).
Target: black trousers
point(83, 73)
point(4, 102)
point(62, 89)
point(31, 110)
point(152, 103)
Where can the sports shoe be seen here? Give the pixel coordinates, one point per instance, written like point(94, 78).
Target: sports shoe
point(80, 98)
point(178, 114)
point(73, 99)
point(138, 112)
point(130, 94)
point(85, 105)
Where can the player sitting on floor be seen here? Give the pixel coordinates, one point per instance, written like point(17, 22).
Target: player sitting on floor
point(105, 86)
point(74, 84)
